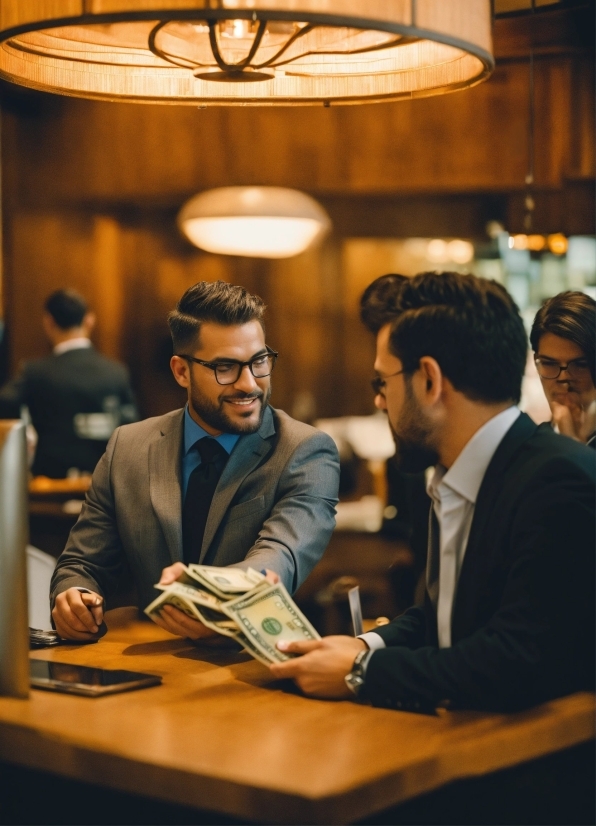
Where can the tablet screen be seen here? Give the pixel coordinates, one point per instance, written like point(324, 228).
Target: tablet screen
point(82, 679)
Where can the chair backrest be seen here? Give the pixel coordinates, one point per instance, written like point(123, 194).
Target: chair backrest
point(40, 567)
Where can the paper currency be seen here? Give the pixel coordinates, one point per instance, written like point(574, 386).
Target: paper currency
point(238, 604)
point(226, 582)
point(268, 616)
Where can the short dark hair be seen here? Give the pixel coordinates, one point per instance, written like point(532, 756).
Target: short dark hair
point(214, 301)
point(570, 315)
point(67, 307)
point(470, 326)
point(379, 301)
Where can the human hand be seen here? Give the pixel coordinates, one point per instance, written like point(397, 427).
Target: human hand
point(573, 420)
point(171, 573)
point(181, 625)
point(77, 614)
point(321, 671)
point(271, 577)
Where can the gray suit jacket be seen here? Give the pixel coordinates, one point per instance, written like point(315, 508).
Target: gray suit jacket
point(274, 507)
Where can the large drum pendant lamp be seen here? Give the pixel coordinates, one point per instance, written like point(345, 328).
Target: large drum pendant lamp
point(246, 52)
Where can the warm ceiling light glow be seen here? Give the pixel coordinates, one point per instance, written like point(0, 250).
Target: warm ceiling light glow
point(264, 222)
point(461, 252)
point(520, 242)
point(246, 51)
point(536, 242)
point(557, 243)
point(437, 252)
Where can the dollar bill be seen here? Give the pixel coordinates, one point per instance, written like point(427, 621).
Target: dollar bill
point(172, 598)
point(196, 595)
point(225, 582)
point(268, 615)
point(238, 604)
point(251, 649)
point(180, 596)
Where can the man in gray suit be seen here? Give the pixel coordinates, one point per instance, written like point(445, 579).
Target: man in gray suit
point(228, 480)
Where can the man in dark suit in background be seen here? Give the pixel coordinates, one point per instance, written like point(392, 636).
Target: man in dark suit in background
point(508, 619)
point(76, 397)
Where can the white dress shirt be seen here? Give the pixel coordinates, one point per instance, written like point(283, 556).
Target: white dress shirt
point(454, 493)
point(79, 343)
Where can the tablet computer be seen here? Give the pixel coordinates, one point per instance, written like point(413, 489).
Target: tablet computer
point(84, 680)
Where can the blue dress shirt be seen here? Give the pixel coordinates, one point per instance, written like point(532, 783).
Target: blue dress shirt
point(191, 458)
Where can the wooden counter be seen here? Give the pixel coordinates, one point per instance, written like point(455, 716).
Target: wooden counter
point(220, 734)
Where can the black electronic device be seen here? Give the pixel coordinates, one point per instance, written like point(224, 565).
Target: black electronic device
point(85, 680)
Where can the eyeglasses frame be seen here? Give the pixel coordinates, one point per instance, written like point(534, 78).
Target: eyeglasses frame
point(562, 367)
point(213, 365)
point(379, 382)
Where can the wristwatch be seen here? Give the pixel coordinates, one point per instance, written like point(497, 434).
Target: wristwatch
point(355, 678)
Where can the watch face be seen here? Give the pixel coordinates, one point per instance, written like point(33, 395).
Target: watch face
point(354, 682)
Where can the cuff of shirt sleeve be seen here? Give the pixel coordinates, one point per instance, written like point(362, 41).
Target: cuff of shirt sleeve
point(374, 641)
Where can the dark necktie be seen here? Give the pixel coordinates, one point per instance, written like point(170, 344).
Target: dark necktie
point(199, 493)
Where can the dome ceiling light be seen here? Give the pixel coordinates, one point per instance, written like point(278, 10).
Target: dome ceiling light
point(256, 221)
point(246, 51)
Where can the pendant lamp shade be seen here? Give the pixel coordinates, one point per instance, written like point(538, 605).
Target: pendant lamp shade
point(256, 221)
point(246, 51)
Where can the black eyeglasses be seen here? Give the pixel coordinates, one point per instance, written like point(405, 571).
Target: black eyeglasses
point(577, 368)
point(379, 382)
point(228, 372)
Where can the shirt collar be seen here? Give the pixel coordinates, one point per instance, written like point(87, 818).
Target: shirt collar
point(193, 432)
point(465, 475)
point(78, 343)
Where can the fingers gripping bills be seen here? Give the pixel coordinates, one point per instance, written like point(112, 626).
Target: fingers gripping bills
point(238, 604)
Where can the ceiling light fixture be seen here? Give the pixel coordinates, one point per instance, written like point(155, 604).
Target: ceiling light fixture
point(256, 221)
point(246, 51)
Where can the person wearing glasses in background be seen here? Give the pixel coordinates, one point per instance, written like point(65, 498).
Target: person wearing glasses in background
point(228, 480)
point(563, 338)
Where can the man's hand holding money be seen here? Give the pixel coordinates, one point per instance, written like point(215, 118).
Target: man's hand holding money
point(177, 622)
point(321, 670)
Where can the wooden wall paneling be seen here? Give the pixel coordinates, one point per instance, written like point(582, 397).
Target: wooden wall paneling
point(106, 280)
point(304, 323)
point(145, 266)
point(85, 151)
point(553, 124)
point(50, 251)
point(455, 215)
point(363, 260)
point(582, 113)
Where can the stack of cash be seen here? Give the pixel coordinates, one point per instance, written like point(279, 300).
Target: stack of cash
point(239, 604)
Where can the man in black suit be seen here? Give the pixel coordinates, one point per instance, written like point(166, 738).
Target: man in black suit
point(508, 619)
point(76, 397)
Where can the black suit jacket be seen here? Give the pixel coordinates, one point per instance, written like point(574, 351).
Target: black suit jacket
point(59, 388)
point(523, 614)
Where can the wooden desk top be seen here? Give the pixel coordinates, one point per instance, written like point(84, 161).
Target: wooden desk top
point(220, 735)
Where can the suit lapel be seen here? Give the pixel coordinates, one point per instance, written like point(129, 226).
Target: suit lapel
point(521, 430)
point(246, 455)
point(164, 483)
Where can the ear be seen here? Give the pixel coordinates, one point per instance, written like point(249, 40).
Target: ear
point(48, 324)
point(88, 323)
point(431, 381)
point(181, 370)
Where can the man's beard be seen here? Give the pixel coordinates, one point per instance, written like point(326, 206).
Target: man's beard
point(215, 414)
point(413, 437)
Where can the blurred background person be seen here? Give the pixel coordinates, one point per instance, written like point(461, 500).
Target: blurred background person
point(75, 397)
point(563, 338)
point(406, 514)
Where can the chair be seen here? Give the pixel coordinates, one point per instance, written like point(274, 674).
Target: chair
point(40, 567)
